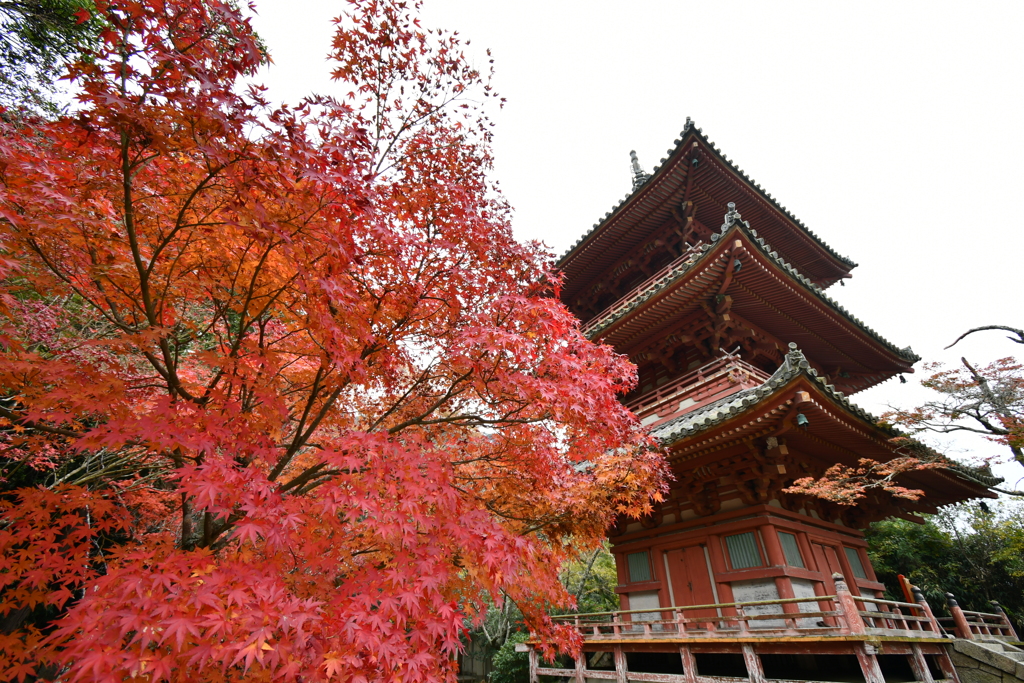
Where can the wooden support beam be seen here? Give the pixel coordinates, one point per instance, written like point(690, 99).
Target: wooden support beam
point(534, 678)
point(689, 664)
point(620, 665)
point(754, 671)
point(919, 665)
point(869, 664)
point(946, 664)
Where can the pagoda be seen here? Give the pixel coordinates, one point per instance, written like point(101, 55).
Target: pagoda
point(718, 295)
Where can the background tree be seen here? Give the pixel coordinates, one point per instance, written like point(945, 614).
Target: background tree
point(985, 400)
point(973, 550)
point(299, 402)
point(38, 39)
point(590, 580)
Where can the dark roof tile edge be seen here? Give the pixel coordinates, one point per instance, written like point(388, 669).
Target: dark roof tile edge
point(692, 128)
point(794, 365)
point(906, 353)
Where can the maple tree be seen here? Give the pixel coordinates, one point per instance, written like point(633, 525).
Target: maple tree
point(985, 400)
point(282, 396)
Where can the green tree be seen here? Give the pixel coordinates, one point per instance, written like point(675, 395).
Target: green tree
point(974, 551)
point(510, 666)
point(37, 40)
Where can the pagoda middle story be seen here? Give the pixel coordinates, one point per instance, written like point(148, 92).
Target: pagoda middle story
point(745, 364)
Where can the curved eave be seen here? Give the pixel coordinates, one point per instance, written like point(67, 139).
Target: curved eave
point(646, 208)
point(839, 428)
point(769, 293)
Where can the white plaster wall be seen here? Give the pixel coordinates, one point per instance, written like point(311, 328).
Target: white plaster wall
point(802, 588)
point(759, 589)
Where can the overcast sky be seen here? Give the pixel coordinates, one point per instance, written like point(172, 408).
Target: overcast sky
point(892, 130)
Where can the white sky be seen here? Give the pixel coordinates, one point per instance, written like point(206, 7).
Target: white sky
point(893, 130)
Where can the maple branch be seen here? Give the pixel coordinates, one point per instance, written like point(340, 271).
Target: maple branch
point(1018, 340)
point(38, 426)
point(282, 462)
point(448, 395)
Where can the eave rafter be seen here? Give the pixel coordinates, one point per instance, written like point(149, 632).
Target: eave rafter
point(740, 264)
point(835, 426)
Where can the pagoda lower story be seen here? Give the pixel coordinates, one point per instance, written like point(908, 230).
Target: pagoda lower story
point(745, 366)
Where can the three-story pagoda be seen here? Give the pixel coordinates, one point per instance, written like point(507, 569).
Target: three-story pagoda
point(745, 365)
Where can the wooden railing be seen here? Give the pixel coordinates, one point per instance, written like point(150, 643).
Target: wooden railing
point(974, 625)
point(842, 614)
point(889, 617)
point(699, 385)
point(688, 256)
point(729, 620)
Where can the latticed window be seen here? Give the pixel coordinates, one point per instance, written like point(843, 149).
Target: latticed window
point(639, 566)
point(743, 552)
point(855, 564)
point(791, 549)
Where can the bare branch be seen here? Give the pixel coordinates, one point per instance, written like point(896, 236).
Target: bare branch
point(1019, 333)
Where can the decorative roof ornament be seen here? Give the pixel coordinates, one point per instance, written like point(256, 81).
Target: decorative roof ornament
point(640, 176)
point(732, 216)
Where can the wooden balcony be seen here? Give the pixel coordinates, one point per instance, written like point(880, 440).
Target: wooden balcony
point(630, 298)
point(870, 618)
point(708, 383)
point(842, 623)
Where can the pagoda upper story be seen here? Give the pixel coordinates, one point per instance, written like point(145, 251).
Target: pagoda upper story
point(663, 279)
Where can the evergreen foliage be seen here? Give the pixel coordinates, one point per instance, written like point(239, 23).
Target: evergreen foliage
point(511, 666)
point(974, 551)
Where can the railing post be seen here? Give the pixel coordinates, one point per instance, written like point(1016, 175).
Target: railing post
point(926, 610)
point(959, 619)
point(848, 606)
point(1006, 619)
point(620, 665)
point(534, 678)
point(741, 620)
point(581, 666)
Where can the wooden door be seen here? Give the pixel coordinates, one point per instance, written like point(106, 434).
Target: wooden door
point(691, 584)
point(828, 564)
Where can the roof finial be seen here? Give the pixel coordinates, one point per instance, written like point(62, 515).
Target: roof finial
point(639, 175)
point(732, 216)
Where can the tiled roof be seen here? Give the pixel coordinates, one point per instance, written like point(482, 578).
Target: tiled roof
point(712, 414)
point(794, 364)
point(595, 327)
point(689, 129)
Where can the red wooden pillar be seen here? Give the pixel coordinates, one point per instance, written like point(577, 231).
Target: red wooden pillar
point(581, 665)
point(754, 671)
point(919, 665)
point(962, 626)
point(777, 558)
point(718, 566)
point(1006, 619)
point(848, 606)
point(689, 664)
point(620, 665)
point(868, 664)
